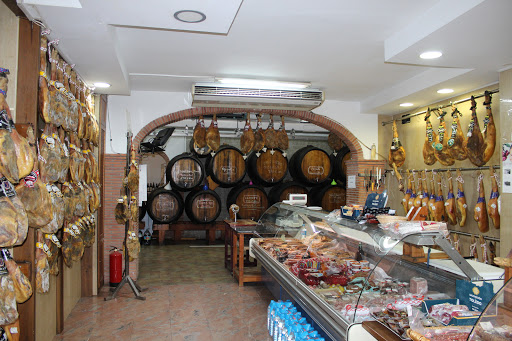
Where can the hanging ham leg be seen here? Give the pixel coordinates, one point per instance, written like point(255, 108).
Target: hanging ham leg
point(413, 196)
point(247, 138)
point(271, 134)
point(259, 136)
point(397, 151)
point(480, 213)
point(408, 193)
point(492, 205)
point(475, 144)
point(456, 141)
point(8, 309)
point(44, 93)
point(425, 197)
point(282, 137)
point(50, 163)
point(438, 207)
point(335, 142)
point(473, 253)
point(432, 197)
point(441, 143)
point(492, 250)
point(449, 205)
point(133, 175)
point(483, 248)
point(462, 207)
point(42, 267)
point(489, 129)
point(212, 135)
point(456, 242)
point(199, 135)
point(398, 178)
point(419, 194)
point(22, 287)
point(428, 147)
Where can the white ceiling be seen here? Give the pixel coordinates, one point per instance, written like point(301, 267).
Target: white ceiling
point(364, 51)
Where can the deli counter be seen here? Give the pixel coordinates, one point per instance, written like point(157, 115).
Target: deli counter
point(342, 272)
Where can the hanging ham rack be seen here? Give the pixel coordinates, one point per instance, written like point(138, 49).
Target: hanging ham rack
point(407, 116)
point(439, 170)
point(494, 239)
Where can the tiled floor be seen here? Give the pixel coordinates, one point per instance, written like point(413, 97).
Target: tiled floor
point(190, 296)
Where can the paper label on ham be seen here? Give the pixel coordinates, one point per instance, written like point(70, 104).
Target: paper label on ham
point(5, 123)
point(31, 179)
point(3, 268)
point(54, 239)
point(7, 188)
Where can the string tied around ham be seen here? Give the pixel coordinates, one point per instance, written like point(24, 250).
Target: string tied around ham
point(456, 244)
point(496, 176)
point(480, 179)
point(472, 249)
point(484, 256)
point(460, 179)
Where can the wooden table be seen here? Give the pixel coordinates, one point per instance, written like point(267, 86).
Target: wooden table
point(234, 250)
point(180, 226)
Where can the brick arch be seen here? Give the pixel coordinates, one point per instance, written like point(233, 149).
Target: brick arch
point(162, 154)
point(346, 136)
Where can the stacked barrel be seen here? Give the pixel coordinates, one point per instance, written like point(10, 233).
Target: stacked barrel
point(253, 184)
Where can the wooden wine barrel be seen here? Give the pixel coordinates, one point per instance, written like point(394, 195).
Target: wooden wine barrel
point(329, 197)
point(310, 166)
point(199, 152)
point(268, 169)
point(202, 206)
point(339, 167)
point(164, 206)
point(227, 167)
point(251, 199)
point(185, 172)
point(280, 192)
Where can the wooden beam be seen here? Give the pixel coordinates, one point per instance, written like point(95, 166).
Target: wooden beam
point(87, 273)
point(13, 6)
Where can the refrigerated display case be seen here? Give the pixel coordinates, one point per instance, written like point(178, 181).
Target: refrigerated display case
point(315, 252)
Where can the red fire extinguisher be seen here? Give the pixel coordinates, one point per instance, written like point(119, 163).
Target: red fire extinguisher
point(116, 267)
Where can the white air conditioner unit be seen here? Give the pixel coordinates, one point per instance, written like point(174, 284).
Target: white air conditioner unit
point(218, 95)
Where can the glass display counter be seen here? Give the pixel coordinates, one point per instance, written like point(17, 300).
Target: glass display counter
point(342, 272)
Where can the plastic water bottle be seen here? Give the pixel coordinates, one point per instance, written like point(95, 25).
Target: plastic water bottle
point(278, 324)
point(270, 313)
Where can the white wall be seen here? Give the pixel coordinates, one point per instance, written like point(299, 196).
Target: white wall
point(142, 107)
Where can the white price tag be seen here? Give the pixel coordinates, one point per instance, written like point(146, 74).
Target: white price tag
point(487, 326)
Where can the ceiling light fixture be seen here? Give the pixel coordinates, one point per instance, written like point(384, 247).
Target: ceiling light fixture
point(190, 16)
point(431, 55)
point(101, 85)
point(406, 105)
point(263, 83)
point(444, 91)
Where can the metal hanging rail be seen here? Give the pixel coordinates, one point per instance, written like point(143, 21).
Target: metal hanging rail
point(440, 107)
point(494, 239)
point(439, 170)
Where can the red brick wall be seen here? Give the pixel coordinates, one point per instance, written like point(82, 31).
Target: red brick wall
point(114, 232)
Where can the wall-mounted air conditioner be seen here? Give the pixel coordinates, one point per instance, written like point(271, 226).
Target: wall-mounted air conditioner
point(217, 95)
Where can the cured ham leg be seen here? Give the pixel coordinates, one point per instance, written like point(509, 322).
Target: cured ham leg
point(397, 151)
point(200, 133)
point(426, 196)
point(247, 138)
point(475, 144)
point(212, 135)
point(456, 141)
point(42, 267)
point(492, 250)
point(483, 249)
point(419, 194)
point(438, 207)
point(489, 129)
point(50, 163)
point(259, 136)
point(282, 137)
point(8, 309)
point(133, 175)
point(428, 147)
point(462, 207)
point(456, 242)
point(441, 143)
point(408, 193)
point(335, 142)
point(432, 197)
point(492, 205)
point(271, 134)
point(412, 198)
point(22, 286)
point(44, 93)
point(398, 178)
point(480, 212)
point(449, 205)
point(473, 253)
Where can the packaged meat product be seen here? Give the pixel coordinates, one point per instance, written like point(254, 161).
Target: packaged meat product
point(418, 285)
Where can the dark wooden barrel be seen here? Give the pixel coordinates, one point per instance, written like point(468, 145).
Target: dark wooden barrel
point(199, 152)
point(164, 206)
point(280, 192)
point(329, 197)
point(339, 167)
point(310, 166)
point(202, 206)
point(251, 199)
point(185, 172)
point(227, 167)
point(269, 168)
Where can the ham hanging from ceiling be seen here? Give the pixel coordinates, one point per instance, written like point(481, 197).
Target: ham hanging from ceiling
point(456, 141)
point(212, 135)
point(133, 175)
point(271, 134)
point(282, 136)
point(50, 162)
point(22, 286)
point(424, 199)
point(441, 143)
point(408, 193)
point(42, 266)
point(430, 136)
point(259, 136)
point(43, 104)
point(72, 117)
point(462, 207)
point(449, 205)
point(492, 205)
point(475, 144)
point(397, 151)
point(438, 206)
point(480, 212)
point(247, 138)
point(432, 197)
point(200, 133)
point(489, 129)
point(335, 142)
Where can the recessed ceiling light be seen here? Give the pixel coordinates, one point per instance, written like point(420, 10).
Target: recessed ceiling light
point(431, 55)
point(444, 91)
point(406, 105)
point(189, 16)
point(101, 85)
